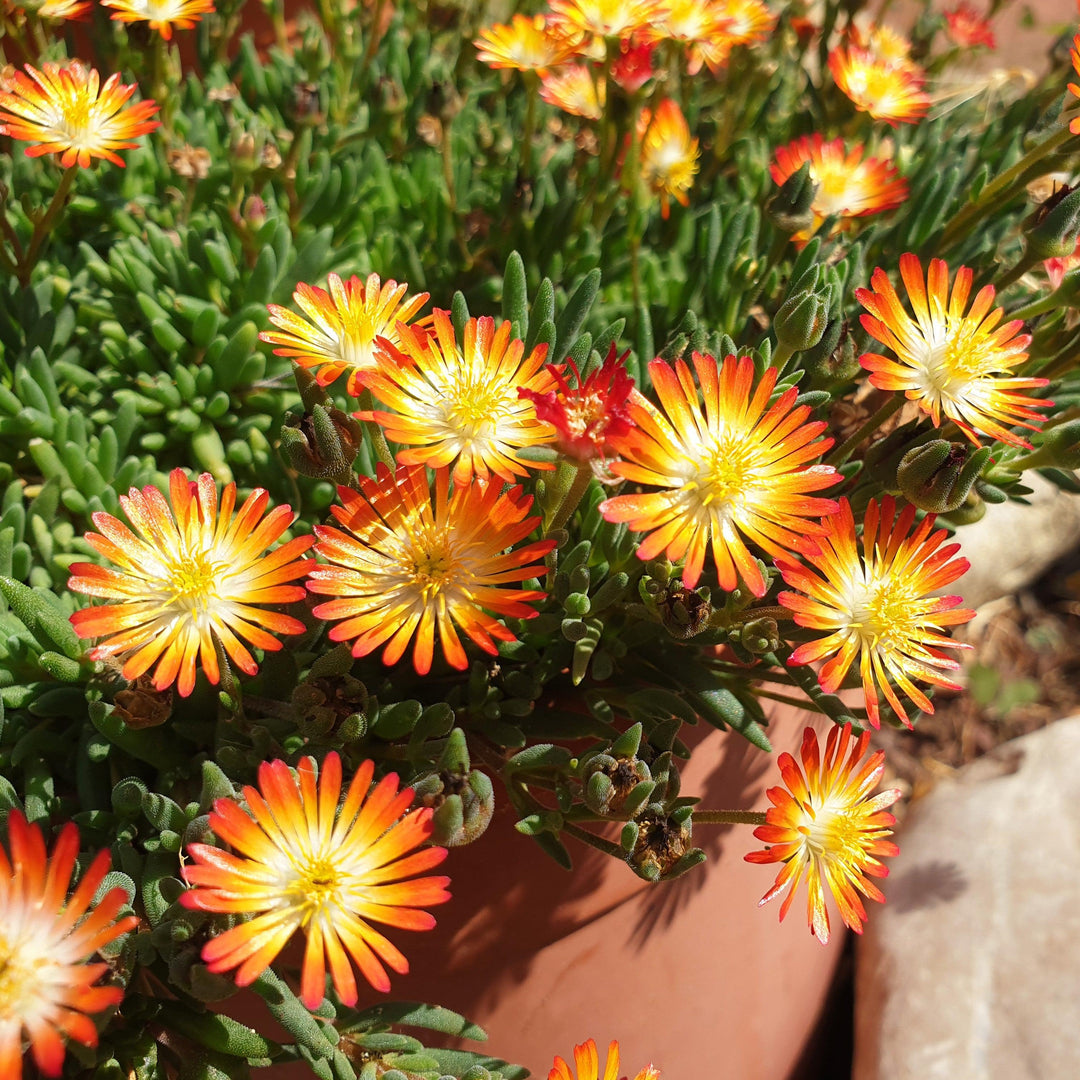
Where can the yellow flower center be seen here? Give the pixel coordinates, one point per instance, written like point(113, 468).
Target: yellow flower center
point(728, 477)
point(193, 584)
point(317, 885)
point(881, 612)
point(20, 972)
point(830, 831)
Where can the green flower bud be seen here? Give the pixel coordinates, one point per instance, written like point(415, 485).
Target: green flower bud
point(760, 636)
point(463, 805)
point(1056, 226)
point(972, 509)
point(789, 209)
point(938, 475)
point(322, 443)
point(800, 323)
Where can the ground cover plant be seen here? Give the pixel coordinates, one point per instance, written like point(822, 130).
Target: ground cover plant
point(409, 408)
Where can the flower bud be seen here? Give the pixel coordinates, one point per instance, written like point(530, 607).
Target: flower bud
point(1056, 226)
point(800, 323)
point(972, 509)
point(938, 475)
point(790, 208)
point(760, 636)
point(463, 805)
point(321, 443)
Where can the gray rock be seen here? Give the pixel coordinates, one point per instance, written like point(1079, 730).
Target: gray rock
point(971, 970)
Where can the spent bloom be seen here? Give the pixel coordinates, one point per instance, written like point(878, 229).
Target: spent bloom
point(193, 574)
point(161, 15)
point(459, 403)
point(731, 468)
point(880, 608)
point(588, 416)
point(669, 156)
point(47, 989)
point(527, 43)
point(307, 862)
point(573, 89)
point(967, 28)
point(849, 186)
point(402, 567)
point(65, 110)
point(339, 333)
point(889, 91)
point(587, 1065)
point(826, 826)
point(949, 361)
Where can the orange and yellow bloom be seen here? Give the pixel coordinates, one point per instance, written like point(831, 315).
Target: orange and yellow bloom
point(527, 43)
point(573, 89)
point(338, 335)
point(66, 10)
point(669, 156)
point(880, 608)
point(47, 988)
point(406, 567)
point(949, 361)
point(65, 110)
point(161, 15)
point(1074, 89)
point(826, 826)
point(606, 18)
point(587, 1065)
point(848, 185)
point(196, 573)
point(459, 403)
point(732, 468)
point(888, 90)
point(307, 862)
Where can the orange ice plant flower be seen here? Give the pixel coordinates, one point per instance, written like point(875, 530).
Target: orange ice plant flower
point(949, 360)
point(458, 403)
point(187, 576)
point(1074, 124)
point(573, 89)
point(669, 156)
point(527, 43)
point(968, 28)
point(47, 988)
point(66, 110)
point(405, 565)
point(849, 186)
point(161, 15)
point(306, 861)
point(338, 335)
point(887, 90)
point(607, 18)
point(731, 468)
point(68, 10)
point(879, 608)
point(826, 826)
point(587, 1065)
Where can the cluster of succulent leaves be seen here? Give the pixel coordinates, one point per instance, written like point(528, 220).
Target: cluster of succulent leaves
point(135, 349)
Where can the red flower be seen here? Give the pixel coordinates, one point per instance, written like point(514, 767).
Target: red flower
point(968, 28)
point(587, 416)
point(634, 67)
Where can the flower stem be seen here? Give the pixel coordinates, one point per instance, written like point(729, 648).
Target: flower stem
point(1037, 307)
point(598, 842)
point(846, 449)
point(375, 433)
point(44, 226)
point(729, 817)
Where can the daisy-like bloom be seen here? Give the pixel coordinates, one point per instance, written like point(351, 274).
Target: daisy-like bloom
point(1074, 89)
point(405, 567)
point(669, 156)
point(66, 111)
point(634, 66)
point(527, 43)
point(826, 826)
point(306, 862)
point(879, 607)
point(460, 403)
point(734, 469)
point(339, 332)
point(46, 987)
point(884, 44)
point(573, 90)
point(892, 92)
point(700, 25)
point(848, 186)
point(747, 21)
point(194, 574)
point(588, 416)
point(66, 10)
point(161, 15)
point(967, 28)
point(949, 361)
point(607, 18)
point(587, 1065)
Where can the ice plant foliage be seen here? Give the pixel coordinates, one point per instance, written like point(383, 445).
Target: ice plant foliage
point(527, 43)
point(948, 359)
point(458, 403)
point(304, 862)
point(827, 827)
point(161, 15)
point(408, 565)
point(338, 335)
point(587, 417)
point(47, 988)
point(878, 608)
point(889, 91)
point(731, 468)
point(669, 156)
point(587, 1065)
point(849, 186)
point(66, 110)
point(188, 576)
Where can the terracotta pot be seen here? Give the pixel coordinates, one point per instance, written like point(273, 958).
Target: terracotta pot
point(684, 974)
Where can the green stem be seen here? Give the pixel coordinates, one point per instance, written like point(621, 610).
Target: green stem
point(375, 433)
point(807, 680)
point(598, 842)
point(532, 83)
point(44, 226)
point(1038, 307)
point(573, 495)
point(729, 817)
point(845, 450)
